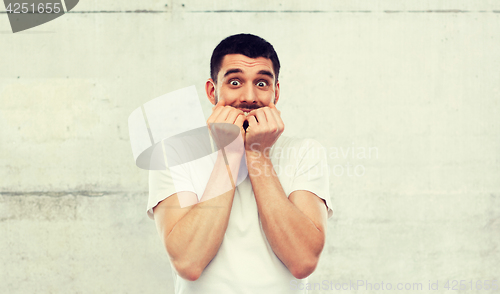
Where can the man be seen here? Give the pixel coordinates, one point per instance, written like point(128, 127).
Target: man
point(269, 230)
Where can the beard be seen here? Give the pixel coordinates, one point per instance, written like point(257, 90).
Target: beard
point(242, 105)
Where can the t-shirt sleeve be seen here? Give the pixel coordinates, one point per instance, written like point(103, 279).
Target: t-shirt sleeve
point(161, 185)
point(312, 173)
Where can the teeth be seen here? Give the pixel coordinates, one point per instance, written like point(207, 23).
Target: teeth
point(246, 113)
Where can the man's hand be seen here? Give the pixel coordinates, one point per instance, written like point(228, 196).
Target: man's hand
point(226, 114)
point(264, 128)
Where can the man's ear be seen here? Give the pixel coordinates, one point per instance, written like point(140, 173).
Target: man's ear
point(277, 92)
point(210, 90)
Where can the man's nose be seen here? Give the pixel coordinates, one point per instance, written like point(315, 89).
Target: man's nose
point(248, 94)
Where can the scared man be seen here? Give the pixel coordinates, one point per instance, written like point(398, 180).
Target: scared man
point(258, 236)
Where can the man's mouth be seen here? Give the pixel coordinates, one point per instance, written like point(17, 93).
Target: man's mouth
point(245, 110)
point(245, 123)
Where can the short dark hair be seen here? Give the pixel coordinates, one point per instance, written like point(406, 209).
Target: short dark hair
point(246, 44)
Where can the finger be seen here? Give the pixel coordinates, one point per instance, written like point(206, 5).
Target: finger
point(215, 113)
point(239, 122)
point(240, 119)
point(253, 112)
point(260, 116)
point(252, 122)
point(277, 117)
point(273, 106)
point(216, 110)
point(270, 116)
point(271, 120)
point(233, 115)
point(223, 115)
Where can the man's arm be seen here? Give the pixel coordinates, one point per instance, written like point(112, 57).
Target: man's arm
point(296, 226)
point(193, 235)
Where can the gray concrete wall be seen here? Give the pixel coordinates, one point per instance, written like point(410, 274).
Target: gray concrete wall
point(416, 83)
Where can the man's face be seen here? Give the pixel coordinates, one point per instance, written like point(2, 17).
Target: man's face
point(244, 83)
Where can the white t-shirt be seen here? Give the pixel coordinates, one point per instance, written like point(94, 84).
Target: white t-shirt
point(245, 262)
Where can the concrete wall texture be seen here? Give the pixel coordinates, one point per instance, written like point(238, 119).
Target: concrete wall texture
point(414, 82)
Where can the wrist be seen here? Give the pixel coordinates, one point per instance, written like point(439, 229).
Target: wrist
point(259, 165)
point(257, 153)
point(229, 156)
point(257, 156)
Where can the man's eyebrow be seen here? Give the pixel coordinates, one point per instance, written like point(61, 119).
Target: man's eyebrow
point(231, 71)
point(237, 70)
point(267, 73)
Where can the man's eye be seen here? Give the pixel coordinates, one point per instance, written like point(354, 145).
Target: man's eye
point(262, 84)
point(234, 83)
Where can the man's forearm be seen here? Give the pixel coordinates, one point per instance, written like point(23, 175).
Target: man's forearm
point(197, 236)
point(295, 239)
